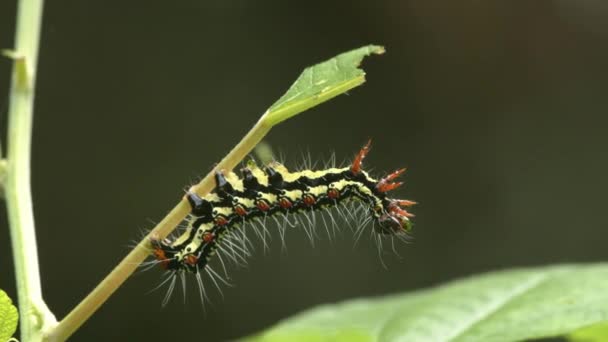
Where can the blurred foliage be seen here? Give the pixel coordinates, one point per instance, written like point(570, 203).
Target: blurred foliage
point(594, 333)
point(511, 305)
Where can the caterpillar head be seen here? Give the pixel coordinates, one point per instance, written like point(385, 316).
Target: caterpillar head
point(395, 219)
point(391, 215)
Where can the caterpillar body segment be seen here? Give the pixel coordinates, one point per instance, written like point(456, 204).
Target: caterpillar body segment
point(274, 191)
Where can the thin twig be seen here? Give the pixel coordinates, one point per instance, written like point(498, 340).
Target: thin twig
point(104, 290)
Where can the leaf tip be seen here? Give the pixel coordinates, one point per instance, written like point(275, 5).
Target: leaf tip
point(378, 49)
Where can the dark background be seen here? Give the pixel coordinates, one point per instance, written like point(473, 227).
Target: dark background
point(497, 108)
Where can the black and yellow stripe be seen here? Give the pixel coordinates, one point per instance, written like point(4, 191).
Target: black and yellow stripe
point(263, 192)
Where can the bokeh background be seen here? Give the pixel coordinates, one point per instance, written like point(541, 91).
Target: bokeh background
point(496, 107)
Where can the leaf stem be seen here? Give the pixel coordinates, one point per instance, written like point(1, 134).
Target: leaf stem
point(129, 264)
point(35, 315)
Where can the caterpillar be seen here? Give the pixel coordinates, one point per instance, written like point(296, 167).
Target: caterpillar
point(220, 217)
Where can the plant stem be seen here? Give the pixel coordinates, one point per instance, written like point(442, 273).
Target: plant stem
point(35, 315)
point(127, 266)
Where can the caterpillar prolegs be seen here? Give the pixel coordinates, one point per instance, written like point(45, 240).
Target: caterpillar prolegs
point(271, 191)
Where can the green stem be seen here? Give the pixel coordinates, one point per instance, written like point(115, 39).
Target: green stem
point(34, 314)
point(129, 264)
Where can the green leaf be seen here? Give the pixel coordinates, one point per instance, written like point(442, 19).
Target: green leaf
point(322, 82)
point(8, 317)
point(594, 333)
point(510, 305)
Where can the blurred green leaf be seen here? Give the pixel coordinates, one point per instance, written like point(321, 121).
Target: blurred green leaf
point(322, 82)
point(8, 317)
point(594, 333)
point(263, 152)
point(511, 305)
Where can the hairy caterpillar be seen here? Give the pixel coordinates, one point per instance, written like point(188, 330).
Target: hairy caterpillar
point(219, 217)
